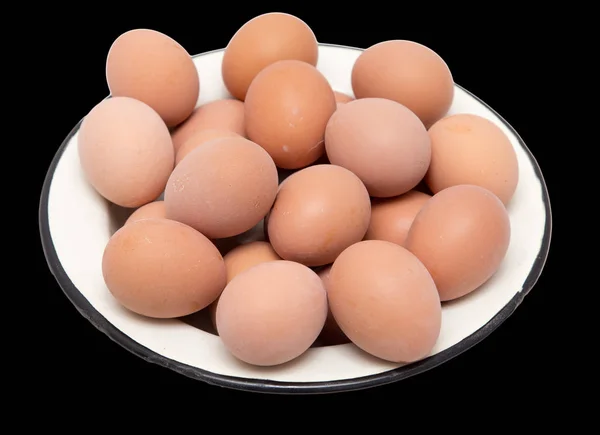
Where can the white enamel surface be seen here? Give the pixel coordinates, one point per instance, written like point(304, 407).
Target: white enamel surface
point(79, 227)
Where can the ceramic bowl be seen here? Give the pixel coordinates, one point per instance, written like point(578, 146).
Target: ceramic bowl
point(76, 223)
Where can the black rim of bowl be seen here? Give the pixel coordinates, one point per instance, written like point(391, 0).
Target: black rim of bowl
point(269, 386)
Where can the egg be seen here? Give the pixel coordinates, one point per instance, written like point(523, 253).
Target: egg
point(408, 73)
point(287, 108)
point(155, 209)
point(262, 41)
point(242, 258)
point(245, 256)
point(271, 313)
point(199, 138)
point(342, 98)
point(470, 149)
point(391, 218)
point(385, 301)
point(461, 235)
point(163, 269)
point(382, 142)
point(222, 188)
point(319, 211)
point(125, 151)
point(225, 114)
point(153, 68)
point(331, 335)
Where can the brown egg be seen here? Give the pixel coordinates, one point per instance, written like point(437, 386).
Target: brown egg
point(242, 258)
point(385, 301)
point(125, 151)
point(407, 72)
point(224, 114)
point(331, 335)
point(287, 109)
point(153, 68)
point(223, 188)
point(461, 235)
point(469, 149)
point(319, 211)
point(382, 142)
point(340, 97)
point(155, 209)
point(391, 218)
point(262, 41)
point(199, 138)
point(161, 268)
point(245, 256)
point(271, 313)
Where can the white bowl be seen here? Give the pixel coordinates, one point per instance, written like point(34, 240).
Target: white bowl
point(76, 223)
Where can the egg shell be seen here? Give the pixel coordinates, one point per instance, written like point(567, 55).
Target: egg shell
point(331, 335)
point(245, 256)
point(224, 114)
point(385, 301)
point(342, 98)
point(199, 138)
point(408, 73)
point(470, 149)
point(462, 235)
point(319, 211)
point(155, 209)
point(261, 42)
point(125, 151)
point(287, 108)
point(271, 313)
point(163, 269)
point(223, 188)
point(391, 218)
point(153, 68)
point(242, 258)
point(382, 142)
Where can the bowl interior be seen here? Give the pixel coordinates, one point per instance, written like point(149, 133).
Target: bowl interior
point(80, 223)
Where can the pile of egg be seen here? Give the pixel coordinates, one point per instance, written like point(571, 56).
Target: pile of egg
point(295, 215)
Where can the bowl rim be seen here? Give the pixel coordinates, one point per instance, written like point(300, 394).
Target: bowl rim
point(269, 386)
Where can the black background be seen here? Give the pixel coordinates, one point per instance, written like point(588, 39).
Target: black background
point(497, 55)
